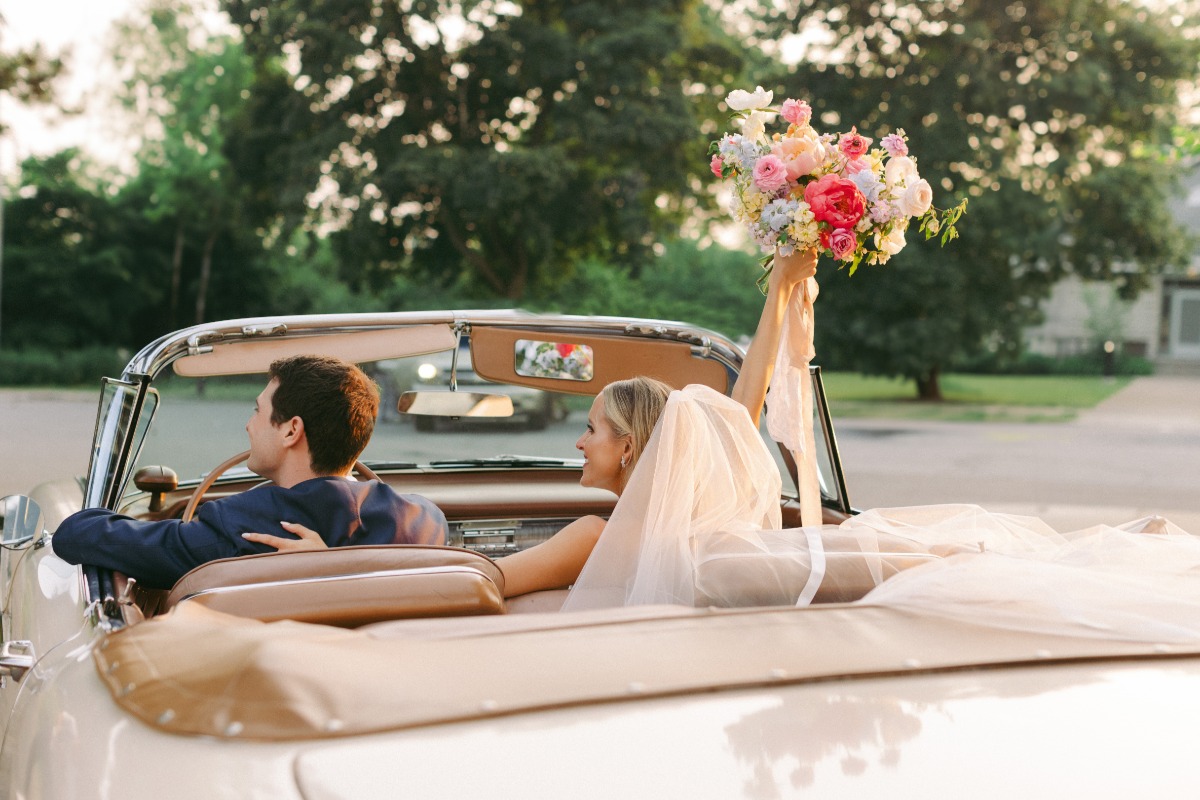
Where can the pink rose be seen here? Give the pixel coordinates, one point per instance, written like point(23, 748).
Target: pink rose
point(801, 155)
point(796, 112)
point(715, 166)
point(770, 174)
point(835, 201)
point(857, 165)
point(853, 144)
point(895, 145)
point(841, 242)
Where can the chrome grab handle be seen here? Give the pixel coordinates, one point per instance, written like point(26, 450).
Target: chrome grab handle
point(16, 658)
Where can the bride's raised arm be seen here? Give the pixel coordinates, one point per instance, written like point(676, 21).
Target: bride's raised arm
point(786, 276)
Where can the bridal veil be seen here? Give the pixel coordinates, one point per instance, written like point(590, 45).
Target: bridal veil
point(699, 524)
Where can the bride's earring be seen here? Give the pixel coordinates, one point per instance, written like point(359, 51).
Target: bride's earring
point(622, 462)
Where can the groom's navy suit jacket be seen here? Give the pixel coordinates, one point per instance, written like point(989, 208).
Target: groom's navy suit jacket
point(159, 553)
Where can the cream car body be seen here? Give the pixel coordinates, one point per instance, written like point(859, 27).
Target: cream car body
point(834, 700)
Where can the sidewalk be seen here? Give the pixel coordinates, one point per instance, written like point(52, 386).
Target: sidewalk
point(1163, 403)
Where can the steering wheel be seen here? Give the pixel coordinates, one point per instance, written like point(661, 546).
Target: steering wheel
point(364, 472)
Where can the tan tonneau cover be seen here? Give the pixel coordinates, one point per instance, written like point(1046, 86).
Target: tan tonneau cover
point(196, 671)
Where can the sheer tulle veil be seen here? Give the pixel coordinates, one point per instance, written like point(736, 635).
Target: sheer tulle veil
point(699, 475)
point(699, 524)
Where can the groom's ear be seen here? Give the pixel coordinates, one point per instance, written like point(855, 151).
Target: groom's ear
point(293, 432)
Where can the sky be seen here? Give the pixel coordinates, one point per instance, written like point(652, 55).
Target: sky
point(82, 26)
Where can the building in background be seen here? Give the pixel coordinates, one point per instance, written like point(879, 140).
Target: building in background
point(1162, 324)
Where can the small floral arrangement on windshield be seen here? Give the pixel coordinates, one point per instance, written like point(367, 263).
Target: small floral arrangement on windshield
point(801, 188)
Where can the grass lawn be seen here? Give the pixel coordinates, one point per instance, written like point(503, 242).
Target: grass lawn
point(975, 398)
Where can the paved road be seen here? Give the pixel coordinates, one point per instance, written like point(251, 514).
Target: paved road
point(44, 435)
point(1136, 454)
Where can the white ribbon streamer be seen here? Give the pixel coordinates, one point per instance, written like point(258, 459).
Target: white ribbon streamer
point(789, 402)
point(816, 551)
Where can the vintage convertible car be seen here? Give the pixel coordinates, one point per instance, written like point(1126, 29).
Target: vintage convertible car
point(403, 671)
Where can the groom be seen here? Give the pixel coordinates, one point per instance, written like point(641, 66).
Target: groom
point(310, 424)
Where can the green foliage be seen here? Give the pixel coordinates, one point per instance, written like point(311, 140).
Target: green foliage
point(86, 265)
point(1043, 114)
point(711, 286)
point(303, 280)
point(41, 367)
point(28, 75)
point(186, 89)
point(70, 272)
point(534, 136)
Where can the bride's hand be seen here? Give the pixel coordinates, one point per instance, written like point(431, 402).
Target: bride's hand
point(790, 271)
point(309, 539)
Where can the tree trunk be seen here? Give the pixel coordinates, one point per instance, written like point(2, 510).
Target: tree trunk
point(516, 287)
point(473, 259)
point(929, 386)
point(205, 271)
point(176, 273)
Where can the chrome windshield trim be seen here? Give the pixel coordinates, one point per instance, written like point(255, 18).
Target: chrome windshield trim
point(158, 355)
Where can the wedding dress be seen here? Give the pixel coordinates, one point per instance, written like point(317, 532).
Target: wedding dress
point(699, 524)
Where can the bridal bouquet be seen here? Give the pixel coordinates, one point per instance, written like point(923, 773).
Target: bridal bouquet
point(801, 188)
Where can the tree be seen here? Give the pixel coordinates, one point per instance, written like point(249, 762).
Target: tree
point(185, 86)
point(500, 141)
point(71, 275)
point(1046, 114)
point(27, 76)
point(712, 287)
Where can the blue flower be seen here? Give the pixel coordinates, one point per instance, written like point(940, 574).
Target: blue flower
point(740, 151)
point(868, 184)
point(778, 214)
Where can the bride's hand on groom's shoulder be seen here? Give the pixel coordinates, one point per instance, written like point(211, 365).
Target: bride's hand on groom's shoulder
point(791, 270)
point(309, 539)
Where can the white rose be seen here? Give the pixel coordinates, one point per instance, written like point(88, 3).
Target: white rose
point(899, 170)
point(892, 243)
point(916, 199)
point(741, 100)
point(755, 124)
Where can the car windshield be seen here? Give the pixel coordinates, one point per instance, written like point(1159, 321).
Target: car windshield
point(201, 422)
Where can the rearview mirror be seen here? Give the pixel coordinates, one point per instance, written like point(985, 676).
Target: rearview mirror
point(21, 520)
point(455, 404)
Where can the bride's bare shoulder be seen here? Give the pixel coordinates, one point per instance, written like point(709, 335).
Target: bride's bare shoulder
point(591, 525)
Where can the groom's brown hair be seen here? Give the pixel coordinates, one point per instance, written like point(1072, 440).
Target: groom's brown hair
point(337, 402)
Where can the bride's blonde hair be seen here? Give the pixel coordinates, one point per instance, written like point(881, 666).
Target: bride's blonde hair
point(633, 407)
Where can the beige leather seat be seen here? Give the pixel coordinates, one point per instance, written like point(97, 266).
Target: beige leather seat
point(347, 586)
